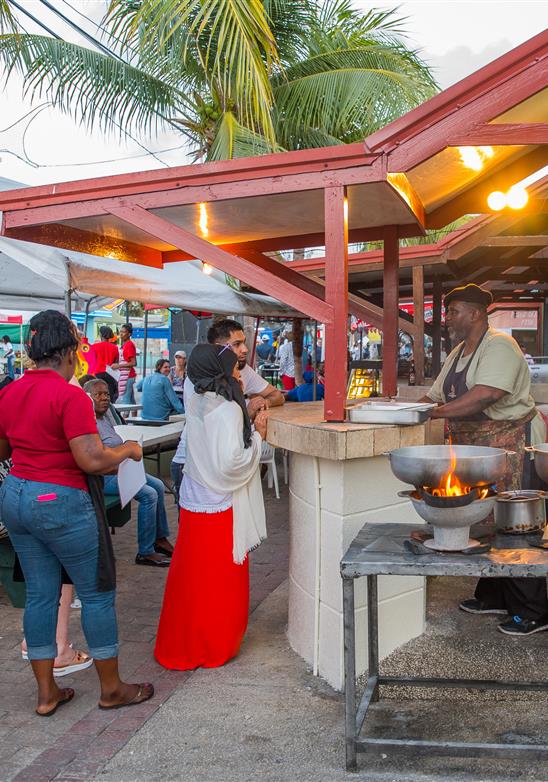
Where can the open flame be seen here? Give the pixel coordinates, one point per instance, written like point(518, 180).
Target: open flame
point(451, 486)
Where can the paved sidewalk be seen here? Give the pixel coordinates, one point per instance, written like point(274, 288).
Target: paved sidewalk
point(79, 739)
point(265, 718)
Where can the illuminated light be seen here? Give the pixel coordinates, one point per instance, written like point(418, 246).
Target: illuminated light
point(206, 268)
point(345, 210)
point(496, 200)
point(474, 157)
point(203, 220)
point(517, 197)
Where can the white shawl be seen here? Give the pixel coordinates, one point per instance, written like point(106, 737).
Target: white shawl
point(216, 458)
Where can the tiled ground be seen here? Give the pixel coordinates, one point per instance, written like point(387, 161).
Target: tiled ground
point(79, 739)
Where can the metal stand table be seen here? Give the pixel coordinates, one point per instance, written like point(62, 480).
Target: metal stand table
point(378, 550)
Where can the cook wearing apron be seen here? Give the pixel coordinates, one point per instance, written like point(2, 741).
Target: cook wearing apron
point(483, 391)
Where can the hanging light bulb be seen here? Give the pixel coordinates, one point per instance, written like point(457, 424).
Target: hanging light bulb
point(517, 197)
point(496, 200)
point(206, 268)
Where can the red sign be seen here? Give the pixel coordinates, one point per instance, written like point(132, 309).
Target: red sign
point(11, 318)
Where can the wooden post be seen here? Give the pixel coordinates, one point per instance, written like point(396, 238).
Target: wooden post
point(418, 342)
point(391, 309)
point(436, 327)
point(336, 295)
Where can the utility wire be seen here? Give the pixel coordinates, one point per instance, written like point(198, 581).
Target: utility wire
point(35, 20)
point(109, 53)
point(78, 29)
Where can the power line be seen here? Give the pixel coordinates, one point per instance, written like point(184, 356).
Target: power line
point(35, 20)
point(78, 29)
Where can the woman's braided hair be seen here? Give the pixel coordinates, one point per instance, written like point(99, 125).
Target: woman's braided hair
point(50, 336)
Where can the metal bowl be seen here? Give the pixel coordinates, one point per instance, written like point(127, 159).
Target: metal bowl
point(426, 465)
point(540, 453)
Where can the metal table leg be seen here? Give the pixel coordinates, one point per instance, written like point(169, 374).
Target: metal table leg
point(349, 673)
point(373, 634)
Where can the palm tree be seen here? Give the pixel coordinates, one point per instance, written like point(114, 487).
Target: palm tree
point(236, 77)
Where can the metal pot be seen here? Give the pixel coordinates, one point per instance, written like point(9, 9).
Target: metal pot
point(540, 453)
point(521, 511)
point(426, 465)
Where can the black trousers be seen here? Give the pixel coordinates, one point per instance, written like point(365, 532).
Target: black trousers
point(524, 597)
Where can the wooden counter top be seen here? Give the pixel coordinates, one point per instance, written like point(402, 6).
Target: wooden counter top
point(299, 427)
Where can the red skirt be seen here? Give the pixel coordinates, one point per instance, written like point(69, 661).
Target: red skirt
point(206, 601)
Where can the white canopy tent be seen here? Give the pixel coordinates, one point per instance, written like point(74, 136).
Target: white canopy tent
point(35, 276)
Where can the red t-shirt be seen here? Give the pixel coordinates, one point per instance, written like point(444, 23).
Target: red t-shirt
point(104, 354)
point(129, 351)
point(39, 414)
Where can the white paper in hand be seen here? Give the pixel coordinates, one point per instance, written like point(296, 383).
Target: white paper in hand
point(131, 478)
point(114, 373)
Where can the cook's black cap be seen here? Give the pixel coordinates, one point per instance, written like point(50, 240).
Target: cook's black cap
point(471, 293)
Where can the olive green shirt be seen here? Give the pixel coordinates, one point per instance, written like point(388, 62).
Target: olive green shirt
point(498, 363)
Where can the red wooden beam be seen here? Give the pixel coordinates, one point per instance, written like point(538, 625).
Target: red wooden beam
point(502, 134)
point(418, 318)
point(316, 287)
point(495, 74)
point(202, 175)
point(482, 109)
point(68, 238)
point(230, 264)
point(52, 208)
point(373, 260)
point(296, 242)
point(336, 278)
point(390, 307)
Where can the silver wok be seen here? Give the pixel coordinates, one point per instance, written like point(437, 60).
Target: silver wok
point(426, 465)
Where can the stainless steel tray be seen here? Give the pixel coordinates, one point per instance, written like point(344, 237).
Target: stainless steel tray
point(400, 413)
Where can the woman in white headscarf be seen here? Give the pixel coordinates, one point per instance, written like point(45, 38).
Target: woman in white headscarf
point(222, 518)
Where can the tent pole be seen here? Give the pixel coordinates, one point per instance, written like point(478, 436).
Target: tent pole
point(68, 303)
point(21, 345)
point(145, 340)
point(252, 362)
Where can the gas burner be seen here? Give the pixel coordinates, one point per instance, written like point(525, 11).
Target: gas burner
point(451, 523)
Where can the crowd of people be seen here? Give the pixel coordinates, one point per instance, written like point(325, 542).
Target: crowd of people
point(52, 500)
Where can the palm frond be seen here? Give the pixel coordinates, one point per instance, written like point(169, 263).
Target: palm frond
point(233, 140)
point(98, 90)
point(349, 93)
point(7, 19)
point(231, 37)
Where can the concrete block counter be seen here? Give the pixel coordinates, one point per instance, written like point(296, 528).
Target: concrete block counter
point(338, 481)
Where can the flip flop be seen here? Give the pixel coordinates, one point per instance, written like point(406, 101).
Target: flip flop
point(69, 695)
point(134, 701)
point(80, 662)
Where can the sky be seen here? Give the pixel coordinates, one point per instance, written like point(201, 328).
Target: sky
point(456, 37)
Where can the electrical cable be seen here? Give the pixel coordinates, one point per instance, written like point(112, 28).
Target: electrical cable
point(87, 36)
point(34, 19)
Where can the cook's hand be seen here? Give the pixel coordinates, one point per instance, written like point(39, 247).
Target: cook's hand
point(255, 405)
point(261, 420)
point(135, 451)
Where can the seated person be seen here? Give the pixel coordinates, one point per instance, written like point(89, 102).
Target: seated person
point(154, 548)
point(159, 399)
point(305, 392)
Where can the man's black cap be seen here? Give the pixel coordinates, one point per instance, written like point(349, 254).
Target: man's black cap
point(470, 293)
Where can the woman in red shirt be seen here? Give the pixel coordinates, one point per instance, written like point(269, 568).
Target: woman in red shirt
point(47, 426)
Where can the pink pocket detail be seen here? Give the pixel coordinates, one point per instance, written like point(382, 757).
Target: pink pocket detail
point(46, 497)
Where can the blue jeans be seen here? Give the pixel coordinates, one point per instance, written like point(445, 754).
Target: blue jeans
point(128, 397)
point(176, 470)
point(49, 535)
point(151, 517)
point(11, 367)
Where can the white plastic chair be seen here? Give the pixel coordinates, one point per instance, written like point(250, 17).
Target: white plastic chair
point(268, 457)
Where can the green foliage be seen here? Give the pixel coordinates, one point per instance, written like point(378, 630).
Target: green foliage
point(238, 77)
